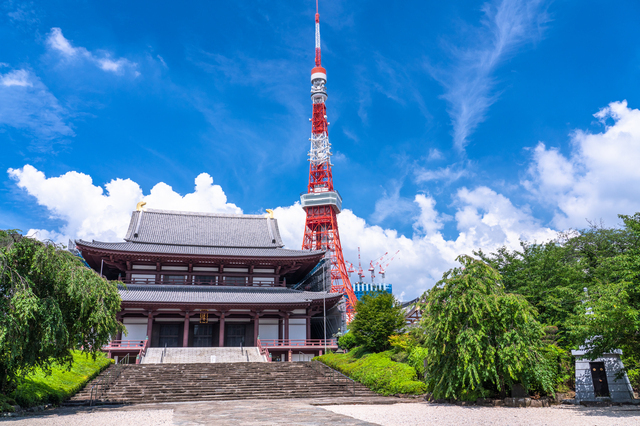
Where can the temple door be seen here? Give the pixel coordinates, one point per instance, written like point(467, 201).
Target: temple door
point(202, 335)
point(169, 335)
point(234, 335)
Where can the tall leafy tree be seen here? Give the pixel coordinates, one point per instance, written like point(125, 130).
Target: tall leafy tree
point(547, 275)
point(378, 316)
point(50, 304)
point(610, 316)
point(480, 339)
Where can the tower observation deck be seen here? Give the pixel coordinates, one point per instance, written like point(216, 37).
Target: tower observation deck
point(322, 203)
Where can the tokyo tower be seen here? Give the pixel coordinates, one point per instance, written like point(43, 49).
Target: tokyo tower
point(322, 202)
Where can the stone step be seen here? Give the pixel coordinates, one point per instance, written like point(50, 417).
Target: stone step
point(202, 355)
point(219, 381)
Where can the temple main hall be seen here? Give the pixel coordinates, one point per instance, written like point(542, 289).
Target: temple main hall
point(215, 280)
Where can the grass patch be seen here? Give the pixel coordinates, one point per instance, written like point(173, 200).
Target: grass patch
point(40, 388)
point(376, 371)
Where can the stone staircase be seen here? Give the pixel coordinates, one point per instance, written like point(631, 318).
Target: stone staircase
point(148, 383)
point(202, 355)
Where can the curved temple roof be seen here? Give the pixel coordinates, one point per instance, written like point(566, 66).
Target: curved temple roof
point(185, 250)
point(203, 229)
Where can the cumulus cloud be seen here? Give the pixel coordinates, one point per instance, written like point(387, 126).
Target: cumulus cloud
point(599, 178)
point(484, 218)
point(469, 81)
point(28, 105)
point(92, 212)
point(57, 42)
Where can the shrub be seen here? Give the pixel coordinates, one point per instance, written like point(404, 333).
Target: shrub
point(347, 341)
point(376, 371)
point(378, 316)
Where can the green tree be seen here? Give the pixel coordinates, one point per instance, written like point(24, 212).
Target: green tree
point(480, 339)
point(378, 316)
point(347, 341)
point(613, 304)
point(50, 304)
point(547, 275)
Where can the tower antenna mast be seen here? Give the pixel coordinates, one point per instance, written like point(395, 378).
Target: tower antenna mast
point(322, 203)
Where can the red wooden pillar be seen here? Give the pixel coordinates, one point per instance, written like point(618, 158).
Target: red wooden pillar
point(149, 324)
point(286, 328)
point(221, 339)
point(308, 327)
point(256, 322)
point(280, 329)
point(185, 335)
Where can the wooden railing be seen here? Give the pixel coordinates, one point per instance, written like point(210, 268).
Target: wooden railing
point(284, 343)
point(223, 282)
point(263, 350)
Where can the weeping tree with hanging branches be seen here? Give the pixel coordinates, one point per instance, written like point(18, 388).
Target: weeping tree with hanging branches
point(50, 304)
point(479, 339)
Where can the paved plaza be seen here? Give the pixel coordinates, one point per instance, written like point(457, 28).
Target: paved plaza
point(371, 411)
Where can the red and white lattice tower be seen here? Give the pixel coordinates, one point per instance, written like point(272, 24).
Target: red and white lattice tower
point(321, 202)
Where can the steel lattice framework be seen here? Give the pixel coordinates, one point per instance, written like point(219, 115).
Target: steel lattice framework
point(321, 202)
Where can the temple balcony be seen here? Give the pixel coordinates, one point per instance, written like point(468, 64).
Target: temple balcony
point(220, 281)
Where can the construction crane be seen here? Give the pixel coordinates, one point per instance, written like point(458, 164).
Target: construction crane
point(372, 266)
point(383, 270)
point(350, 269)
point(360, 270)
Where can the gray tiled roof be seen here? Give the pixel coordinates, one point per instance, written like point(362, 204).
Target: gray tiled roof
point(197, 250)
point(203, 229)
point(219, 294)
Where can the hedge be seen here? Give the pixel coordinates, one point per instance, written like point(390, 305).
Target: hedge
point(376, 371)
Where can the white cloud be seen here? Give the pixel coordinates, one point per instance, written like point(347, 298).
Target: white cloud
point(469, 82)
point(57, 42)
point(599, 179)
point(27, 104)
point(391, 204)
point(447, 174)
point(484, 220)
point(91, 212)
point(16, 78)
point(435, 154)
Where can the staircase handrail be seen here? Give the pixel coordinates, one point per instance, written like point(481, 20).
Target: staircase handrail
point(105, 381)
point(263, 350)
point(333, 374)
point(164, 352)
point(143, 351)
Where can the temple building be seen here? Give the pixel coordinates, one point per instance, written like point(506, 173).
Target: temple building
point(215, 280)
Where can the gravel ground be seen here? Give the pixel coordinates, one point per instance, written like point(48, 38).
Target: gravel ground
point(100, 418)
point(307, 413)
point(443, 415)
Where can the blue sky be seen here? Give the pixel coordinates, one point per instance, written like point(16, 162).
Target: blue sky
point(455, 125)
